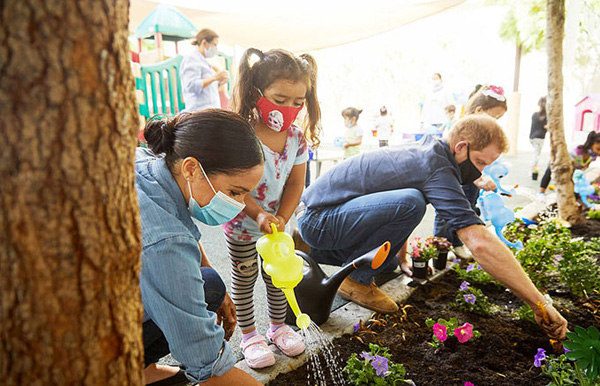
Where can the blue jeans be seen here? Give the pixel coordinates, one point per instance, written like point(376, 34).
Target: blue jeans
point(155, 343)
point(339, 234)
point(440, 227)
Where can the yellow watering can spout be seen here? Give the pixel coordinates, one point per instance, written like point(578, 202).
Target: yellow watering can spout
point(285, 268)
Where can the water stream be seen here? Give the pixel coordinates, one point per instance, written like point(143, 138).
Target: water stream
point(316, 342)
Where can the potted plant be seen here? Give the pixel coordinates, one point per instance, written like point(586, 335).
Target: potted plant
point(421, 253)
point(442, 246)
point(534, 174)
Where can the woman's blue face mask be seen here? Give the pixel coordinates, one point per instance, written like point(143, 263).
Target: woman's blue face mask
point(219, 210)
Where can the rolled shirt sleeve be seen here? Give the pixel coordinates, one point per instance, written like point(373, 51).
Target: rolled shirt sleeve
point(444, 192)
point(173, 296)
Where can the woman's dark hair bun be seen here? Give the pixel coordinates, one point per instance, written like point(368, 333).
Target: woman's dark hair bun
point(160, 135)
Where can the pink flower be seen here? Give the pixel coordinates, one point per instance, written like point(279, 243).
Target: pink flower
point(439, 330)
point(464, 333)
point(467, 383)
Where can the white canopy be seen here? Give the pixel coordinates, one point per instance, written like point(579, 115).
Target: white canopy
point(297, 26)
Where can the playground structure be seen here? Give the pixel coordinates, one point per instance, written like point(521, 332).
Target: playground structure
point(157, 80)
point(587, 114)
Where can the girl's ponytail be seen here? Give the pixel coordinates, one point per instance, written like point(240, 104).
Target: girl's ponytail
point(245, 94)
point(312, 120)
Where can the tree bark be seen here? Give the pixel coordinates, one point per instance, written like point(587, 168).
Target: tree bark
point(562, 164)
point(518, 53)
point(70, 309)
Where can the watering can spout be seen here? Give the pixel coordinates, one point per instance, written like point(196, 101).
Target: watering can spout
point(375, 258)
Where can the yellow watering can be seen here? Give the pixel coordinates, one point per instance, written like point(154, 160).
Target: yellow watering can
point(285, 268)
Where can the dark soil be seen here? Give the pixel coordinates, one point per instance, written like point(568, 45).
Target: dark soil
point(502, 356)
point(587, 229)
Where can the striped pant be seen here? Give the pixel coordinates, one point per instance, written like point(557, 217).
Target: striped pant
point(244, 272)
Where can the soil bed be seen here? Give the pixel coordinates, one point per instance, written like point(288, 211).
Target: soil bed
point(503, 355)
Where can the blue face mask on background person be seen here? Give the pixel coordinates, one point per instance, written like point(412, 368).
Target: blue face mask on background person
point(210, 51)
point(219, 210)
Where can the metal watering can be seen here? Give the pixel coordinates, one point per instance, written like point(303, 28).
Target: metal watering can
point(316, 291)
point(285, 268)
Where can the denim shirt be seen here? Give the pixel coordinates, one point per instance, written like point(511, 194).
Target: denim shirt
point(194, 68)
point(170, 280)
point(427, 165)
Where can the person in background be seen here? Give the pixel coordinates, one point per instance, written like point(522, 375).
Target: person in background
point(354, 133)
point(200, 165)
point(582, 156)
point(435, 102)
point(270, 93)
point(385, 127)
point(200, 81)
point(451, 115)
point(539, 128)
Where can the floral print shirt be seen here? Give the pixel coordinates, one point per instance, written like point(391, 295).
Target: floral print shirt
point(269, 190)
point(578, 158)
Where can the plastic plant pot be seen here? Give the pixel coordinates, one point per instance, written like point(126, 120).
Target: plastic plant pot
point(534, 176)
point(441, 261)
point(419, 268)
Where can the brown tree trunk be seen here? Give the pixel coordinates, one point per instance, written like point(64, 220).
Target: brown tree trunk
point(70, 310)
point(518, 53)
point(562, 165)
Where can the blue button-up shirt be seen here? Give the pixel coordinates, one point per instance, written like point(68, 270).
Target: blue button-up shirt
point(427, 165)
point(170, 280)
point(194, 67)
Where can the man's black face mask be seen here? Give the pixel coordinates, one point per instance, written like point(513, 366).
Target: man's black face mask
point(468, 172)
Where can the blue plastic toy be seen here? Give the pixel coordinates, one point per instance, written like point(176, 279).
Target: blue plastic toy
point(496, 171)
point(493, 209)
point(583, 187)
point(339, 142)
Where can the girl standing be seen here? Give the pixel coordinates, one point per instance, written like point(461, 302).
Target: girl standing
point(354, 133)
point(269, 94)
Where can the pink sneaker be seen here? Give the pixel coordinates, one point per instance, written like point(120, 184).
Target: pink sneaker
point(257, 353)
point(287, 340)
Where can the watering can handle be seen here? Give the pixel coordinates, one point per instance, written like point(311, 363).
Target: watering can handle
point(274, 228)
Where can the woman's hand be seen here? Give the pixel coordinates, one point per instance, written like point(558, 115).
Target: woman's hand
point(226, 316)
point(222, 76)
point(264, 221)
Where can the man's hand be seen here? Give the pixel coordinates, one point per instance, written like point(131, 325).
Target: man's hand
point(555, 326)
point(264, 221)
point(226, 316)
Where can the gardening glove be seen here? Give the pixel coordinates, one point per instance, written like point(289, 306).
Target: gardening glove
point(555, 326)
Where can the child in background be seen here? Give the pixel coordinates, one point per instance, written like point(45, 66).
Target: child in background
point(582, 156)
point(270, 93)
point(385, 127)
point(539, 128)
point(450, 114)
point(354, 133)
